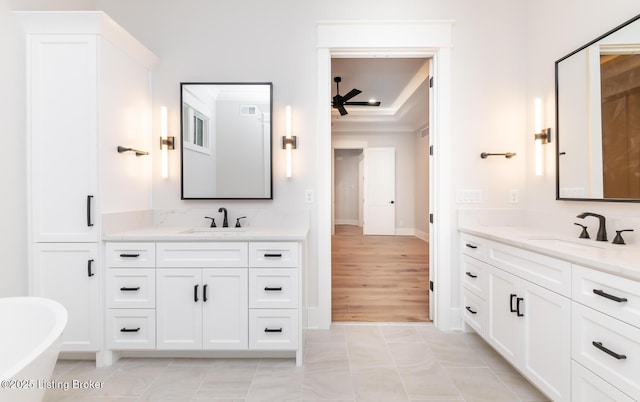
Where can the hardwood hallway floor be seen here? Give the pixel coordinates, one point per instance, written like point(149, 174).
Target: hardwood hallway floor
point(379, 278)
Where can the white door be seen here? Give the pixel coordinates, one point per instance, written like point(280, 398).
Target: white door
point(225, 308)
point(63, 144)
point(179, 308)
point(379, 191)
point(67, 273)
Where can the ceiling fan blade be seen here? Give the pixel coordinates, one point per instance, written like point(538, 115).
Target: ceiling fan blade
point(362, 103)
point(342, 110)
point(351, 94)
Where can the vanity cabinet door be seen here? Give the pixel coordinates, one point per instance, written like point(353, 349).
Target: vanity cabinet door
point(531, 327)
point(179, 308)
point(546, 340)
point(225, 309)
point(503, 329)
point(68, 273)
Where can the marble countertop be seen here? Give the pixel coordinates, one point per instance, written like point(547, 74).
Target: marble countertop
point(621, 260)
point(162, 233)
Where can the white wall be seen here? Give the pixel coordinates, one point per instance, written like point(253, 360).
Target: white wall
point(347, 186)
point(554, 30)
point(275, 41)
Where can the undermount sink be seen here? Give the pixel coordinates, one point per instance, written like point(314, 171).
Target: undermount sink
point(209, 230)
point(562, 244)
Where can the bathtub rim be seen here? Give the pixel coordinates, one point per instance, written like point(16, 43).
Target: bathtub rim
point(61, 317)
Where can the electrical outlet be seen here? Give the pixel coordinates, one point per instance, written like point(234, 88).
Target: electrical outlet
point(513, 196)
point(308, 196)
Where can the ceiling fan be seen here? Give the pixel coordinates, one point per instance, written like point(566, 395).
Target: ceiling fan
point(339, 101)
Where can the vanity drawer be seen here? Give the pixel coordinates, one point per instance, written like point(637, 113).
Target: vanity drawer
point(545, 271)
point(610, 294)
point(130, 255)
point(131, 288)
point(474, 312)
point(586, 386)
point(273, 329)
point(474, 275)
point(276, 255)
point(600, 341)
point(133, 329)
point(273, 288)
point(202, 255)
point(472, 246)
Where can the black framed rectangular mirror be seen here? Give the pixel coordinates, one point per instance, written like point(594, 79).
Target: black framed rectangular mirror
point(598, 118)
point(226, 140)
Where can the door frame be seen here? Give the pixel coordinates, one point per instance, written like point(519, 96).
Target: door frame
point(429, 39)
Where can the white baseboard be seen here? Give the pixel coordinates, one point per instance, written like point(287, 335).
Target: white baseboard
point(353, 222)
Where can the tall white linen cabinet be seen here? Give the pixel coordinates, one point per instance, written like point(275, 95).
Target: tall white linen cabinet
point(88, 91)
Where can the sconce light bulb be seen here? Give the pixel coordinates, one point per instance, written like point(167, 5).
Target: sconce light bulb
point(164, 151)
point(537, 116)
point(289, 169)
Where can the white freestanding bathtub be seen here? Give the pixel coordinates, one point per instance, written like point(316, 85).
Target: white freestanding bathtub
point(29, 346)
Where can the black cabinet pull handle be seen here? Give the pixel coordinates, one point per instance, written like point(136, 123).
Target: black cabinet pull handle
point(600, 292)
point(129, 255)
point(273, 255)
point(273, 330)
point(204, 293)
point(89, 223)
point(130, 330)
point(90, 268)
point(470, 275)
point(469, 309)
point(268, 289)
point(471, 246)
point(195, 293)
point(511, 308)
point(518, 313)
point(608, 351)
point(126, 289)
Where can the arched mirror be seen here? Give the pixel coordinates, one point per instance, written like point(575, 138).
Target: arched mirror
point(598, 118)
point(226, 140)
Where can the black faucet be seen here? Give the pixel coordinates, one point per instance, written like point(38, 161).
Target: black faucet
point(602, 230)
point(225, 223)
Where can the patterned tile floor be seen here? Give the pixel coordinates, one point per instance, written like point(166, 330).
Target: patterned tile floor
point(374, 362)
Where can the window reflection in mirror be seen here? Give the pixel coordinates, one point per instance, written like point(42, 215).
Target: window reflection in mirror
point(226, 140)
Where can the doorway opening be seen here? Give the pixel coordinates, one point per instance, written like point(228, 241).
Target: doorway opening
point(380, 192)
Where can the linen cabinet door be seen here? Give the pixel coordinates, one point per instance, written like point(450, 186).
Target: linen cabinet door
point(63, 141)
point(503, 327)
point(225, 307)
point(68, 273)
point(546, 352)
point(179, 308)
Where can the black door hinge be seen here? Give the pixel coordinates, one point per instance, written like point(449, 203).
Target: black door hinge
point(430, 218)
point(430, 149)
point(430, 82)
point(431, 286)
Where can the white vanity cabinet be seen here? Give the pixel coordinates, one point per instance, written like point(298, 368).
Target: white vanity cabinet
point(527, 323)
point(204, 298)
point(88, 89)
point(273, 296)
point(130, 294)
